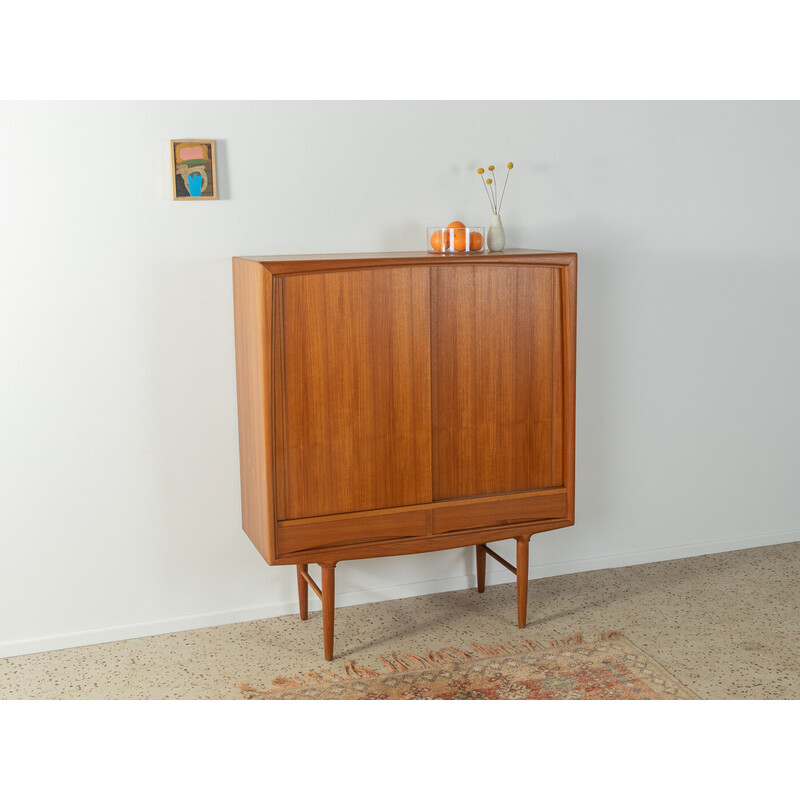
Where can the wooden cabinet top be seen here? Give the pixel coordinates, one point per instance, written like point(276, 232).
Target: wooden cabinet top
point(292, 264)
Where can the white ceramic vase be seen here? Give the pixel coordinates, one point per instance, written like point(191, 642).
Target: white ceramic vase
point(496, 236)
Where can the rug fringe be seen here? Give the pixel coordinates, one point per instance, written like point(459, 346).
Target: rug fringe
point(411, 662)
point(353, 670)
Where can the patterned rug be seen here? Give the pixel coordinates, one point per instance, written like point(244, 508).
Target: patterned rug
point(612, 668)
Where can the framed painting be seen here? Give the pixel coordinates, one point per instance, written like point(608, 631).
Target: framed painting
point(194, 169)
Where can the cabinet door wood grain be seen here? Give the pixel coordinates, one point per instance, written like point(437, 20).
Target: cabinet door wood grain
point(352, 391)
point(498, 388)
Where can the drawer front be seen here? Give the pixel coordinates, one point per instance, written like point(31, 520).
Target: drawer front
point(297, 536)
point(500, 511)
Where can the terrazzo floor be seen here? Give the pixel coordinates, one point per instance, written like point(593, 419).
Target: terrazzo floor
point(726, 625)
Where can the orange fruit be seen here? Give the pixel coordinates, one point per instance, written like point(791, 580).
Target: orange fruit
point(438, 243)
point(475, 241)
point(460, 239)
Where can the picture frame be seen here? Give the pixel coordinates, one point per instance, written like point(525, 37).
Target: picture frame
point(194, 169)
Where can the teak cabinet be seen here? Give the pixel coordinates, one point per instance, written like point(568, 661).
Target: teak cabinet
point(394, 403)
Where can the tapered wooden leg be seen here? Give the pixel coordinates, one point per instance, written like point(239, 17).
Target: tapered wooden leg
point(327, 609)
point(522, 581)
point(480, 561)
point(302, 590)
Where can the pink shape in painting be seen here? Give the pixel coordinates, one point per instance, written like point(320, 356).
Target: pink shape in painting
point(188, 153)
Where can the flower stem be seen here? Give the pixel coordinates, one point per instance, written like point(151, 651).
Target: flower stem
point(504, 192)
point(491, 204)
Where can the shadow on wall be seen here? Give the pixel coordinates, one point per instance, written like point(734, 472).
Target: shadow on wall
point(223, 170)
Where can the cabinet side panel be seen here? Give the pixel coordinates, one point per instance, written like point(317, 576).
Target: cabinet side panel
point(355, 391)
point(496, 417)
point(252, 301)
point(569, 305)
point(559, 399)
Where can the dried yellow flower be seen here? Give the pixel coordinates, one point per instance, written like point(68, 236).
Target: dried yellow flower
point(492, 192)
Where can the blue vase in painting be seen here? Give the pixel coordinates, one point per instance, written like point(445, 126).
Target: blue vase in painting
point(195, 183)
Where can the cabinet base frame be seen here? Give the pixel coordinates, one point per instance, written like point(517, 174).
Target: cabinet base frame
point(327, 593)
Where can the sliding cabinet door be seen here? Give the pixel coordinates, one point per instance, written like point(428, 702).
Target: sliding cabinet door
point(352, 391)
point(498, 383)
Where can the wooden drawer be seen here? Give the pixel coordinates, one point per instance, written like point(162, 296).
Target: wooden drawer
point(503, 510)
point(295, 536)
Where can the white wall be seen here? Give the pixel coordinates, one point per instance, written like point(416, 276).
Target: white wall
point(119, 494)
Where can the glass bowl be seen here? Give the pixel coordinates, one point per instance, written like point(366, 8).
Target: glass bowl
point(458, 241)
